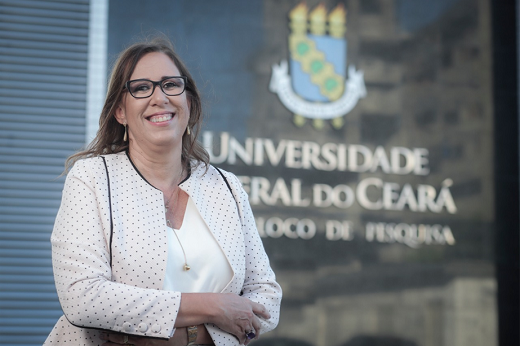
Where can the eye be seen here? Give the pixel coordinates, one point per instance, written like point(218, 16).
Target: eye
point(173, 83)
point(140, 86)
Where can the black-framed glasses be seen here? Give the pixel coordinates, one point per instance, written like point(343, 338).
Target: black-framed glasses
point(143, 88)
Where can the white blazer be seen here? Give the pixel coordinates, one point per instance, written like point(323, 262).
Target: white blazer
point(109, 251)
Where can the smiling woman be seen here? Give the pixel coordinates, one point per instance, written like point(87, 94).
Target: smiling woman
point(155, 120)
point(110, 137)
point(149, 244)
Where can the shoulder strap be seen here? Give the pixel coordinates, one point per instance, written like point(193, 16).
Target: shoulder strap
point(110, 207)
point(230, 190)
point(227, 182)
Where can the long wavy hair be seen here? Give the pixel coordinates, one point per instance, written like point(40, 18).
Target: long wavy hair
point(109, 138)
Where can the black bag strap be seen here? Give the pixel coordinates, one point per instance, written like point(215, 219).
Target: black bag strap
point(230, 190)
point(110, 207)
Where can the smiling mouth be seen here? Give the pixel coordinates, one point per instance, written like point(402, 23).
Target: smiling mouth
point(160, 118)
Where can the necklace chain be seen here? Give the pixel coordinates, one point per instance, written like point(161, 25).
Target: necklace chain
point(167, 205)
point(186, 266)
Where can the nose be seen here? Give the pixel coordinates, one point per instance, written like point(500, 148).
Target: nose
point(158, 96)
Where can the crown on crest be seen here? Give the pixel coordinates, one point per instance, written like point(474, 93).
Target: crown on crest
point(317, 22)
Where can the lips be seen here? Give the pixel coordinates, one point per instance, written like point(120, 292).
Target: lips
point(159, 118)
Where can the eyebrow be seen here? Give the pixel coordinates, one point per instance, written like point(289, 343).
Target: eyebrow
point(163, 77)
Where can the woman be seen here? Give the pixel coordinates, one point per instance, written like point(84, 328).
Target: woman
point(152, 245)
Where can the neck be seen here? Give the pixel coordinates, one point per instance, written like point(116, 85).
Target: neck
point(162, 169)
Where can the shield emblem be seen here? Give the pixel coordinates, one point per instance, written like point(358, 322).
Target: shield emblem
point(319, 85)
point(318, 66)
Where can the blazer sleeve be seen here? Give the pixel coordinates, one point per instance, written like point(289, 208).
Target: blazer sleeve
point(81, 262)
point(260, 282)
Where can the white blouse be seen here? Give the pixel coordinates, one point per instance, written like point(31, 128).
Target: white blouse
point(210, 270)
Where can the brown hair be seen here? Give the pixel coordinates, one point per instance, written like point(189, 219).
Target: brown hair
point(109, 138)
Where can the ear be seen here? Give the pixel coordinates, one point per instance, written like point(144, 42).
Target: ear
point(120, 115)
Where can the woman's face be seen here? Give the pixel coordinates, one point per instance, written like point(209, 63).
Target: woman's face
point(158, 122)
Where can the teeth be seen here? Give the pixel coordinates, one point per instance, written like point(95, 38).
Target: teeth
point(160, 118)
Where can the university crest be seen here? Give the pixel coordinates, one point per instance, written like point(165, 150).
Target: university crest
point(317, 87)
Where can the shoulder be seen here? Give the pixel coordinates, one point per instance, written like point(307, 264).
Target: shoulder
point(213, 173)
point(87, 166)
point(94, 166)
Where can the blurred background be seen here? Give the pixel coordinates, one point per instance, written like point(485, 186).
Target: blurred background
point(383, 172)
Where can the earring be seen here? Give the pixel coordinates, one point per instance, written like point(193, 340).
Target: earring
point(188, 130)
point(125, 137)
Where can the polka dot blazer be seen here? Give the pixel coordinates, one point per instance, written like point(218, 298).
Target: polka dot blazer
point(109, 251)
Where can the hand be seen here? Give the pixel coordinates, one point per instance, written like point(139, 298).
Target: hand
point(179, 338)
point(238, 315)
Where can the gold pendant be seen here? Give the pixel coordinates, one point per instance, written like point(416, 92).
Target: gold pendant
point(187, 267)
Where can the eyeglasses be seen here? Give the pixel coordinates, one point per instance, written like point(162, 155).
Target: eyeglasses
point(143, 88)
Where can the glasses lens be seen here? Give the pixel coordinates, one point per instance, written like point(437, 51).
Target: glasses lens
point(140, 88)
point(173, 86)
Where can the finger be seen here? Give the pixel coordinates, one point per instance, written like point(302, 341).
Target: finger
point(251, 331)
point(241, 338)
point(261, 311)
point(257, 326)
point(248, 337)
point(244, 328)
